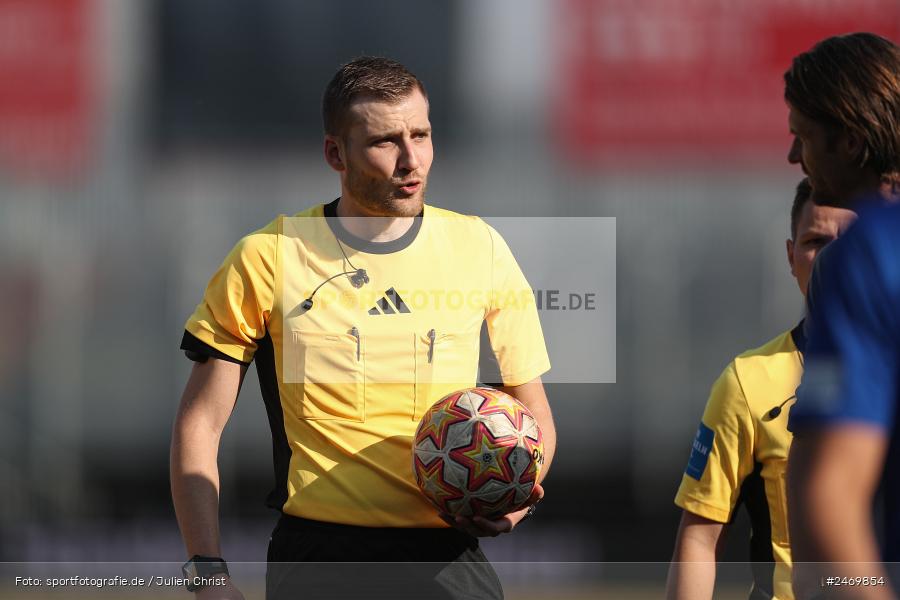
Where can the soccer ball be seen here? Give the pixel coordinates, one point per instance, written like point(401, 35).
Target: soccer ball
point(477, 452)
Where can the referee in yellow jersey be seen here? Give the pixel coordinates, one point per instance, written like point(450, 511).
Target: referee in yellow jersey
point(359, 313)
point(740, 451)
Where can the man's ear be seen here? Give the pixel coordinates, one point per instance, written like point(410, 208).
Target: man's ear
point(334, 153)
point(854, 146)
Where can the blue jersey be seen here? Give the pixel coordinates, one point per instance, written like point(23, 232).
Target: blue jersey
point(852, 370)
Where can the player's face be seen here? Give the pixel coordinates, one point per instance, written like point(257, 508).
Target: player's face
point(824, 157)
point(816, 228)
point(387, 155)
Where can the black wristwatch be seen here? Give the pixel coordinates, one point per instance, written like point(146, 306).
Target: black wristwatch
point(200, 570)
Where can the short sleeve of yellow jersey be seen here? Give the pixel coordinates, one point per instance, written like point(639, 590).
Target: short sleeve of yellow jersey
point(721, 454)
point(239, 297)
point(512, 319)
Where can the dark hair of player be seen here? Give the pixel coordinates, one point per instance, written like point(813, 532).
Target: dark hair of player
point(801, 197)
point(851, 83)
point(372, 77)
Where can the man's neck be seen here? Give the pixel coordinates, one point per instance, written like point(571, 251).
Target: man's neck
point(370, 227)
point(872, 187)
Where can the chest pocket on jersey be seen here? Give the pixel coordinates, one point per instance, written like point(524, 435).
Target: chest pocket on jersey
point(333, 374)
point(445, 362)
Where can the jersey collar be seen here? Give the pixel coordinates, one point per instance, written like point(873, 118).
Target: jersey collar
point(370, 247)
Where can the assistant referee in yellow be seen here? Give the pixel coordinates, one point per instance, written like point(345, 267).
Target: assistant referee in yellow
point(740, 451)
point(359, 314)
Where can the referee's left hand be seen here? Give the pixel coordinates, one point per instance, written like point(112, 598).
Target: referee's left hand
point(481, 527)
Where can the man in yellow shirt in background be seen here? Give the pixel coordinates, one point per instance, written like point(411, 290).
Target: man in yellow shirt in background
point(739, 454)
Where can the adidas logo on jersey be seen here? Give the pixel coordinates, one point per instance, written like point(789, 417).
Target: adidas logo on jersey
point(391, 303)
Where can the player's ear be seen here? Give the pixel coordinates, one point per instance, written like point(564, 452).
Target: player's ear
point(335, 152)
point(854, 146)
point(789, 245)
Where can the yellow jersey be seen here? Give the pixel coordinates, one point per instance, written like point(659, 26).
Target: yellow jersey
point(347, 379)
point(739, 455)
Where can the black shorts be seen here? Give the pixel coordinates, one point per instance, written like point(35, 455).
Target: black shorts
point(312, 560)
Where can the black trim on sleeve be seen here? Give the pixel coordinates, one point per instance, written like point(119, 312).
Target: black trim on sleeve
point(199, 351)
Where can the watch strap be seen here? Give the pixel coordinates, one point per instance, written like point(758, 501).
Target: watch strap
point(201, 567)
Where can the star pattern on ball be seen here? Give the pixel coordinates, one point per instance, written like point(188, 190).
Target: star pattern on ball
point(435, 425)
point(499, 404)
point(484, 459)
point(432, 483)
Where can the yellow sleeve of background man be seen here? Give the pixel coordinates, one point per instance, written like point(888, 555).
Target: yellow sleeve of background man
point(722, 452)
point(239, 298)
point(512, 319)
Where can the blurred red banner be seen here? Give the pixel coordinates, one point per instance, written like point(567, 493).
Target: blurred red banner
point(660, 79)
point(46, 89)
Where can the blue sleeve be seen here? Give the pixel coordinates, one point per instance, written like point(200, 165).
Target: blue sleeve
point(851, 359)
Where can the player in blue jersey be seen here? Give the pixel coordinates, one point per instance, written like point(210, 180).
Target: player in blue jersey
point(844, 100)
point(847, 405)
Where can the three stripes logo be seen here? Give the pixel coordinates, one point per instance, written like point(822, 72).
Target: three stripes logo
point(391, 303)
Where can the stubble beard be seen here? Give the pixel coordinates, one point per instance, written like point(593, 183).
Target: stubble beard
point(380, 198)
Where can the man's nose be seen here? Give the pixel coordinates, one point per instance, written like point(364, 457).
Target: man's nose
point(409, 158)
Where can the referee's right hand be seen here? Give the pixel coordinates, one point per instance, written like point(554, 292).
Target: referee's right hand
point(482, 527)
point(220, 592)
